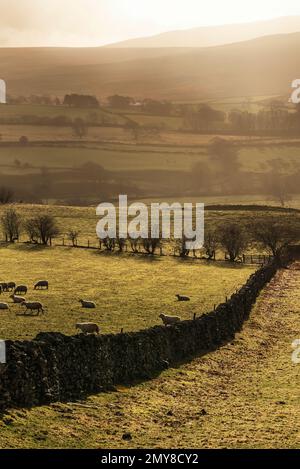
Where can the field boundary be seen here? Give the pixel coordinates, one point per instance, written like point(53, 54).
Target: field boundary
point(54, 367)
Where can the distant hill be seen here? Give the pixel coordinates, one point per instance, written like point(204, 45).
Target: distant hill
point(216, 35)
point(264, 66)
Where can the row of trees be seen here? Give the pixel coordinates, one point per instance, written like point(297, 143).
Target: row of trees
point(203, 118)
point(271, 234)
point(40, 229)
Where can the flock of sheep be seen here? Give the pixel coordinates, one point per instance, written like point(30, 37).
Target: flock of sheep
point(92, 328)
point(35, 306)
point(17, 291)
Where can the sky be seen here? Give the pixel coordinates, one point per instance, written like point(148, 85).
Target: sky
point(98, 22)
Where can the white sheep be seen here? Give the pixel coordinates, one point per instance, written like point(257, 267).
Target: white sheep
point(4, 306)
point(183, 298)
point(88, 327)
point(41, 284)
point(33, 306)
point(169, 320)
point(87, 304)
point(17, 299)
point(20, 289)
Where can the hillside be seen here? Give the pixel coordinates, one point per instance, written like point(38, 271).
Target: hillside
point(216, 35)
point(242, 69)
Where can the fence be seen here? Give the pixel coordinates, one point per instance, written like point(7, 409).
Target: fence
point(162, 250)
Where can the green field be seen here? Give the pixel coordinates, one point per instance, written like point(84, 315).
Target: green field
point(243, 395)
point(114, 157)
point(18, 111)
point(130, 292)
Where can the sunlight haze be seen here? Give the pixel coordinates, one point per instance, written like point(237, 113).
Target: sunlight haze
point(99, 22)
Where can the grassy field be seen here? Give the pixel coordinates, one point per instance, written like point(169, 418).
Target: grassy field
point(21, 111)
point(131, 157)
point(84, 219)
point(130, 292)
point(241, 396)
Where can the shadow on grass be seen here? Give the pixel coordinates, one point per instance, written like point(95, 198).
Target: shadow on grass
point(26, 247)
point(128, 255)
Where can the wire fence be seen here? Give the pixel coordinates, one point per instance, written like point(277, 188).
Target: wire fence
point(162, 250)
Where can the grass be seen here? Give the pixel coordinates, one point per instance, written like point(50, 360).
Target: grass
point(130, 292)
point(138, 158)
point(241, 396)
point(19, 111)
point(84, 219)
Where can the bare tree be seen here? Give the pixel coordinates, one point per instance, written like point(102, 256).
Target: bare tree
point(11, 225)
point(6, 195)
point(134, 244)
point(211, 244)
point(42, 227)
point(121, 243)
point(79, 127)
point(31, 230)
point(278, 189)
point(73, 237)
point(275, 236)
point(181, 247)
point(151, 244)
point(109, 244)
point(233, 239)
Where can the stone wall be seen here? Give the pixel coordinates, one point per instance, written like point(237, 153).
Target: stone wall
point(54, 367)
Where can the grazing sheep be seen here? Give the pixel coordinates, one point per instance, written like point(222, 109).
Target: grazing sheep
point(4, 306)
point(41, 284)
point(87, 304)
point(183, 298)
point(169, 320)
point(17, 299)
point(88, 327)
point(20, 289)
point(11, 286)
point(33, 306)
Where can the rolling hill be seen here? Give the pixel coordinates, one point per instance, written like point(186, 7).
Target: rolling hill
point(264, 66)
point(216, 35)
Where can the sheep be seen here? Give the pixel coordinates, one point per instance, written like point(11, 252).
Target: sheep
point(183, 298)
point(17, 299)
point(20, 289)
point(4, 306)
point(169, 320)
point(11, 286)
point(88, 327)
point(87, 304)
point(33, 306)
point(41, 284)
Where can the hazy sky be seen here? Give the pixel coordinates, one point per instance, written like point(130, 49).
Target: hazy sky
point(98, 22)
